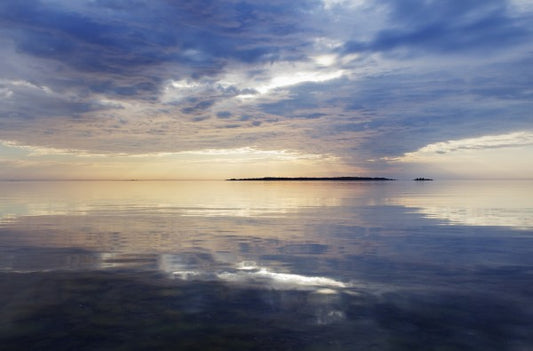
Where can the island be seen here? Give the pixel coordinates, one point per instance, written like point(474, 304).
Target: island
point(336, 179)
point(422, 179)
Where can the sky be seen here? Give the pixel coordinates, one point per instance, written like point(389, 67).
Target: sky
point(205, 89)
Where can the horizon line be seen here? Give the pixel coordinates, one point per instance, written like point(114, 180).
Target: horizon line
point(226, 179)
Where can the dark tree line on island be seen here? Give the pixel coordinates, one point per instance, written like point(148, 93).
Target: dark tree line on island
point(311, 179)
point(338, 179)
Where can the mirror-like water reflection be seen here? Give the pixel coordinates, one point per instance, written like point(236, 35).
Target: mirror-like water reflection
point(267, 265)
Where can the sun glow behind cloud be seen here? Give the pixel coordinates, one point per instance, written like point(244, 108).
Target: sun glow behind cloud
point(282, 81)
point(70, 163)
point(489, 156)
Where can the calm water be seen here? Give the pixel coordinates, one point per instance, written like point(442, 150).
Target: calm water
point(266, 265)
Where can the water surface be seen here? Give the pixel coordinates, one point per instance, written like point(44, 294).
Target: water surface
point(444, 265)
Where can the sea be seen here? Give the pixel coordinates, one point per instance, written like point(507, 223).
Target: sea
point(266, 265)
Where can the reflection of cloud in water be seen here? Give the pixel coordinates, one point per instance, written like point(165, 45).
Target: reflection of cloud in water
point(110, 260)
point(11, 214)
point(7, 218)
point(480, 217)
point(473, 203)
point(251, 274)
point(233, 212)
point(180, 198)
point(280, 280)
point(323, 301)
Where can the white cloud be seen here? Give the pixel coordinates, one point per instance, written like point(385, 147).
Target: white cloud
point(6, 93)
point(267, 79)
point(286, 80)
point(325, 60)
point(32, 150)
point(520, 6)
point(330, 4)
point(516, 139)
point(26, 84)
point(177, 90)
point(251, 153)
point(327, 43)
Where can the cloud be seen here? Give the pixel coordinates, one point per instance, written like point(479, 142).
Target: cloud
point(224, 114)
point(510, 140)
point(28, 100)
point(355, 79)
point(37, 151)
point(36, 162)
point(446, 27)
point(295, 78)
point(116, 49)
point(247, 153)
point(198, 106)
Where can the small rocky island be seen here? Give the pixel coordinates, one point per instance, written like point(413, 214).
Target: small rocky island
point(337, 179)
point(422, 179)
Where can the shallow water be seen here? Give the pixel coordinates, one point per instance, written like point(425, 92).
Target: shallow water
point(213, 265)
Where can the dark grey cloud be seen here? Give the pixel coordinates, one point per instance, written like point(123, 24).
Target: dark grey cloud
point(200, 118)
point(224, 114)
point(448, 26)
point(110, 37)
point(32, 102)
point(198, 107)
point(232, 126)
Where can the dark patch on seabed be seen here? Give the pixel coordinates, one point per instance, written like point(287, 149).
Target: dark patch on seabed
point(126, 310)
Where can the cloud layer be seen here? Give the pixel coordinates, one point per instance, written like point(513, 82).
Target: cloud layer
point(362, 81)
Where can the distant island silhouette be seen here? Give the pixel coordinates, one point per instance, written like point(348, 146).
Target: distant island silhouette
point(338, 179)
point(422, 179)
